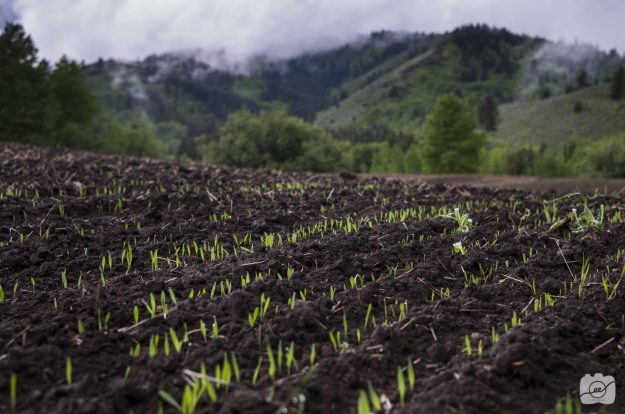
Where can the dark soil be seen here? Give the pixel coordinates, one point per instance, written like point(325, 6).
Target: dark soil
point(111, 202)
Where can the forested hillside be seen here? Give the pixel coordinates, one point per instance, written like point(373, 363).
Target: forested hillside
point(387, 81)
point(539, 107)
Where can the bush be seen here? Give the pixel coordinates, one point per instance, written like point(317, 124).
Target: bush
point(275, 140)
point(530, 159)
point(606, 157)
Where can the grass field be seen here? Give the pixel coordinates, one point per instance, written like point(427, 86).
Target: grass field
point(554, 120)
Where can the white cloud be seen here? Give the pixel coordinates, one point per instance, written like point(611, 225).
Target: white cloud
point(131, 29)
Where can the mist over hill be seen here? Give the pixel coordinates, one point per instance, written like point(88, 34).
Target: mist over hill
point(387, 79)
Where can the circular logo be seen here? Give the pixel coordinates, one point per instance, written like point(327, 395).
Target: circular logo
point(597, 389)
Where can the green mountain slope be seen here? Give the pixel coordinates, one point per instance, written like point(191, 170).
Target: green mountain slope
point(381, 85)
point(363, 97)
point(473, 61)
point(555, 120)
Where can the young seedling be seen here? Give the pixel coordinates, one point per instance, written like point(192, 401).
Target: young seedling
point(411, 375)
point(463, 220)
point(166, 349)
point(583, 275)
point(135, 314)
point(153, 349)
point(154, 259)
point(515, 319)
point(271, 371)
point(210, 390)
point(203, 330)
point(191, 396)
point(367, 315)
point(467, 345)
point(64, 278)
point(164, 306)
point(215, 329)
point(68, 370)
point(458, 248)
point(257, 370)
point(363, 403)
point(291, 302)
point(251, 317)
point(175, 341)
point(235, 367)
point(313, 354)
point(374, 397)
point(610, 294)
point(13, 391)
point(401, 386)
point(587, 220)
point(151, 307)
point(290, 358)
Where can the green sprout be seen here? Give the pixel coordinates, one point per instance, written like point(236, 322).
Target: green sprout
point(401, 386)
point(68, 370)
point(135, 314)
point(610, 294)
point(151, 307)
point(257, 370)
point(210, 390)
point(64, 278)
point(153, 348)
point(363, 403)
point(13, 391)
point(515, 320)
point(251, 317)
point(271, 371)
point(215, 329)
point(459, 248)
point(164, 306)
point(154, 259)
point(203, 330)
point(411, 375)
point(467, 345)
point(290, 358)
point(463, 220)
point(175, 341)
point(313, 354)
point(191, 396)
point(587, 219)
point(568, 406)
point(583, 275)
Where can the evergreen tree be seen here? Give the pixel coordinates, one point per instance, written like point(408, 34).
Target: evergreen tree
point(451, 142)
point(73, 104)
point(488, 114)
point(618, 84)
point(582, 79)
point(25, 112)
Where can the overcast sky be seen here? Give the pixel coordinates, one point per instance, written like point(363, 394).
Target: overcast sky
point(132, 29)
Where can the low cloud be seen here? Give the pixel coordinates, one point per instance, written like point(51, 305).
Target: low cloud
point(230, 32)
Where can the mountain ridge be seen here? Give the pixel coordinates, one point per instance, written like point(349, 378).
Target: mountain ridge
point(386, 80)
